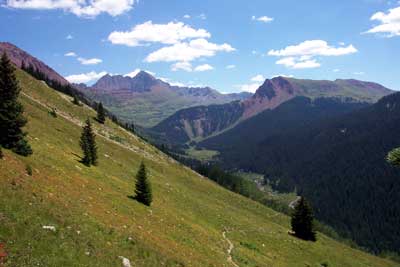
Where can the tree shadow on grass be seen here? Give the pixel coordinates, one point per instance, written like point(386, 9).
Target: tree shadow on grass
point(79, 158)
point(132, 197)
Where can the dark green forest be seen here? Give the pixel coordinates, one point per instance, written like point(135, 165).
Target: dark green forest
point(337, 162)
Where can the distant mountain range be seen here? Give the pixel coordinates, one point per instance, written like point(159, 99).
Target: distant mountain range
point(201, 122)
point(146, 100)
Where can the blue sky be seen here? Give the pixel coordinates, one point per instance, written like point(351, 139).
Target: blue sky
point(226, 44)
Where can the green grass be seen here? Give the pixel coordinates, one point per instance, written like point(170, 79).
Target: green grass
point(201, 154)
point(96, 222)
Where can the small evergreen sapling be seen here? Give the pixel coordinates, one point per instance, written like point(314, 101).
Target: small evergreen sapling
point(75, 101)
point(88, 145)
point(101, 116)
point(303, 221)
point(143, 187)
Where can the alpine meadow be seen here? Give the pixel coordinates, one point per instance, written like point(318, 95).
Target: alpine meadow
point(199, 133)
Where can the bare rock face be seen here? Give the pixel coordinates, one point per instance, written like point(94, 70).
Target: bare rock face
point(17, 56)
point(269, 95)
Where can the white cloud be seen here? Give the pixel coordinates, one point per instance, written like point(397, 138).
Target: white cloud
point(255, 82)
point(173, 83)
point(282, 75)
point(229, 67)
point(186, 66)
point(186, 16)
point(265, 19)
point(301, 56)
point(389, 23)
point(204, 67)
point(298, 63)
point(202, 16)
point(90, 61)
point(258, 78)
point(69, 37)
point(70, 54)
point(336, 70)
point(81, 8)
point(85, 77)
point(188, 51)
point(251, 87)
point(133, 73)
point(313, 48)
point(136, 71)
point(170, 33)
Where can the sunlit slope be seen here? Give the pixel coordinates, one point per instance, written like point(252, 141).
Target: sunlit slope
point(96, 222)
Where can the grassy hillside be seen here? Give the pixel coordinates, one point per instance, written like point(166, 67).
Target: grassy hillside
point(96, 222)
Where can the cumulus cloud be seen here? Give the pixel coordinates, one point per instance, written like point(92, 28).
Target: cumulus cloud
point(301, 56)
point(255, 82)
point(85, 77)
point(186, 66)
point(184, 43)
point(170, 33)
point(188, 51)
point(81, 8)
point(313, 48)
point(251, 87)
point(203, 67)
point(258, 78)
point(70, 54)
point(90, 61)
point(136, 71)
point(69, 37)
point(229, 67)
point(202, 16)
point(282, 75)
point(133, 73)
point(298, 63)
point(264, 19)
point(389, 23)
point(186, 16)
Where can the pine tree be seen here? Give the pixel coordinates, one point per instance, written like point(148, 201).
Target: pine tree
point(393, 157)
point(302, 221)
point(101, 116)
point(143, 188)
point(75, 100)
point(88, 145)
point(11, 111)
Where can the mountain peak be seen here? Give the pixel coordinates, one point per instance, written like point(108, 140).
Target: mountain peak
point(144, 75)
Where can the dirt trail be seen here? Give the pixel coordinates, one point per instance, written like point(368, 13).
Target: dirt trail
point(229, 250)
point(294, 202)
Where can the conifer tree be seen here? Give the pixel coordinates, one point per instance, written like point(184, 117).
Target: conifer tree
point(302, 221)
point(75, 100)
point(88, 145)
point(393, 157)
point(143, 188)
point(101, 116)
point(11, 111)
